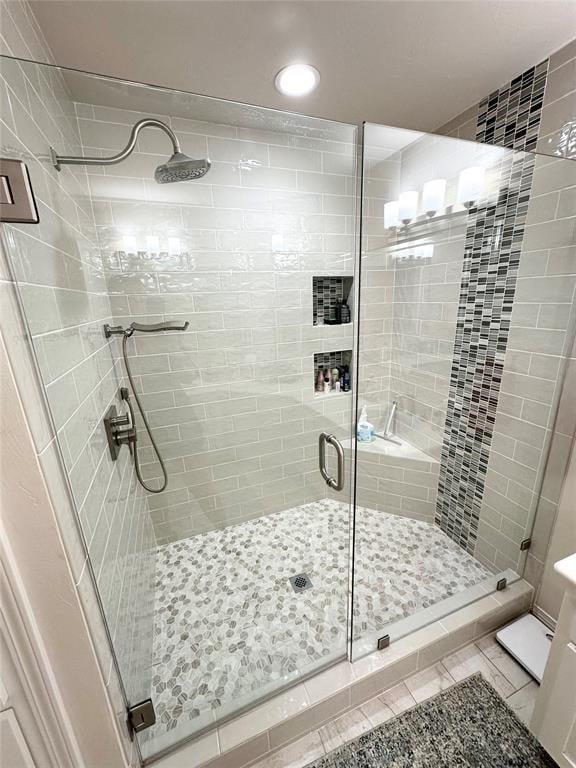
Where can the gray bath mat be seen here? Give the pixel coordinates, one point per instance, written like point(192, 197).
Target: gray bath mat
point(466, 726)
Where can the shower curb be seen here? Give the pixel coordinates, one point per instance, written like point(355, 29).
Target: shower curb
point(296, 712)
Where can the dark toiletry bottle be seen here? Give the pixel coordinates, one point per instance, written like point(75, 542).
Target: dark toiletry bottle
point(344, 312)
point(330, 315)
point(346, 379)
point(339, 311)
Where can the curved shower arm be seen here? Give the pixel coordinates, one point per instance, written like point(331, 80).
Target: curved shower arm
point(147, 122)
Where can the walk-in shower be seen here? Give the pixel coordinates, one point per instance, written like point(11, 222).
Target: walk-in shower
point(222, 303)
point(179, 167)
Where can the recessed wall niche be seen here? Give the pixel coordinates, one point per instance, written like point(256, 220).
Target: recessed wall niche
point(327, 291)
point(328, 361)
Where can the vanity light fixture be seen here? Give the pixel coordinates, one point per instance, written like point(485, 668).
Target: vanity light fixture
point(129, 244)
point(424, 251)
point(174, 245)
point(470, 186)
point(391, 219)
point(297, 80)
point(152, 243)
point(407, 206)
point(433, 196)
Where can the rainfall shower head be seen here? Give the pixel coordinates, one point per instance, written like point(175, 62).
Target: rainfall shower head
point(180, 167)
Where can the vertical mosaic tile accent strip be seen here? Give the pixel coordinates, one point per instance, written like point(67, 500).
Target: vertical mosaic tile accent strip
point(326, 292)
point(509, 117)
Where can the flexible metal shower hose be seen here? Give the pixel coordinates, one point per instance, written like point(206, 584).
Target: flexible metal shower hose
point(145, 420)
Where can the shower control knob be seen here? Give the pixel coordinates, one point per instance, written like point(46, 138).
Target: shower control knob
point(120, 421)
point(119, 431)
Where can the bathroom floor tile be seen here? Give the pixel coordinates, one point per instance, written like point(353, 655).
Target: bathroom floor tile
point(429, 682)
point(344, 729)
point(398, 698)
point(503, 661)
point(377, 711)
point(296, 755)
point(470, 659)
point(523, 701)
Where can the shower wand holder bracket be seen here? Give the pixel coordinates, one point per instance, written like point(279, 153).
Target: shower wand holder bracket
point(119, 431)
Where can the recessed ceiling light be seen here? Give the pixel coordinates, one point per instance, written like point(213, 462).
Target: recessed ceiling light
point(297, 79)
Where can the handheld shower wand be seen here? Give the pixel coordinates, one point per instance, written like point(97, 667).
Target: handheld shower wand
point(126, 333)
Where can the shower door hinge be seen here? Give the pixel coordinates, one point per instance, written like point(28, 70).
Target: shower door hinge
point(140, 717)
point(501, 584)
point(383, 642)
point(525, 544)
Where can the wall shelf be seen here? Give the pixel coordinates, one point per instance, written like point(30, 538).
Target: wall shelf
point(328, 361)
point(327, 290)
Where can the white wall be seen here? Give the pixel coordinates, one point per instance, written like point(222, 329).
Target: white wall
point(562, 544)
point(541, 335)
point(50, 670)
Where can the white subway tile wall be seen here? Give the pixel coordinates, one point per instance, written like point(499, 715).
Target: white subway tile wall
point(58, 267)
point(415, 355)
point(232, 399)
point(540, 341)
point(558, 126)
point(541, 325)
point(409, 306)
point(556, 134)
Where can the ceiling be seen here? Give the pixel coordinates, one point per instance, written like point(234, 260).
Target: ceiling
point(410, 63)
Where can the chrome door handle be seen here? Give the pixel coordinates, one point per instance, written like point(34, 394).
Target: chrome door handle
point(337, 483)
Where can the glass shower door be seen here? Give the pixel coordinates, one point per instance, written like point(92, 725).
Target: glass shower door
point(465, 323)
point(232, 583)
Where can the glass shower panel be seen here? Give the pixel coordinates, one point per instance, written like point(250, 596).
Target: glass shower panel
point(466, 315)
point(232, 583)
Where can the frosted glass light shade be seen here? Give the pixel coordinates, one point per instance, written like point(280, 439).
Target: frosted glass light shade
point(129, 244)
point(174, 245)
point(407, 206)
point(424, 251)
point(434, 196)
point(153, 243)
point(470, 185)
point(391, 219)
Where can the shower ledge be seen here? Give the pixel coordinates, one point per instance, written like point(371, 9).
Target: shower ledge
point(306, 706)
point(381, 447)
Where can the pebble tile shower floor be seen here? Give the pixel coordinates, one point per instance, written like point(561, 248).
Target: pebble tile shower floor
point(228, 622)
